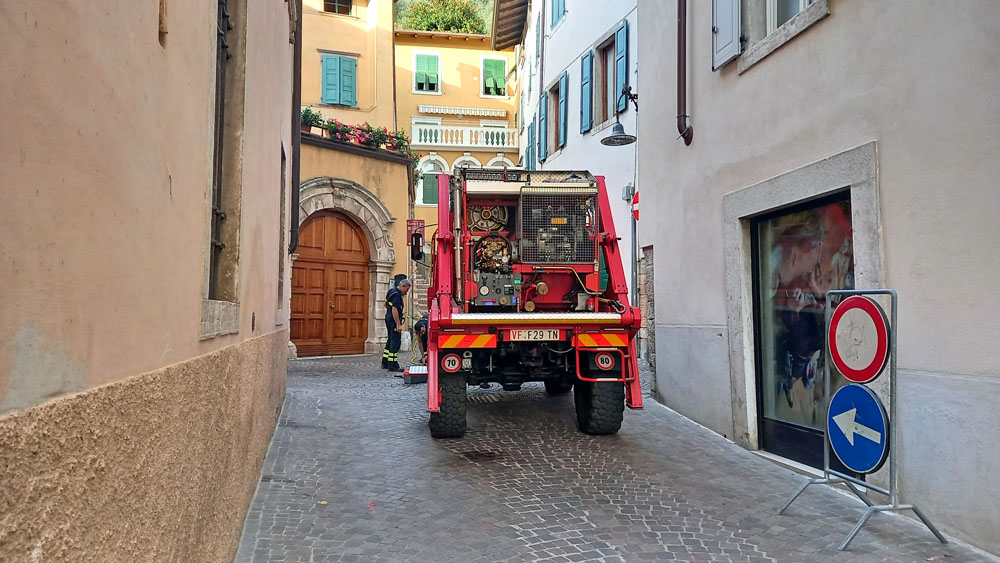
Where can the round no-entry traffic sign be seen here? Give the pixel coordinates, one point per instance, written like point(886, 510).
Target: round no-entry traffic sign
point(859, 339)
point(635, 205)
point(858, 428)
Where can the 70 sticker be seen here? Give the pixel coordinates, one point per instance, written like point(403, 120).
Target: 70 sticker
point(604, 360)
point(451, 363)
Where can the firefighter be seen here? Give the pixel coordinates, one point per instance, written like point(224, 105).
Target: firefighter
point(421, 329)
point(394, 324)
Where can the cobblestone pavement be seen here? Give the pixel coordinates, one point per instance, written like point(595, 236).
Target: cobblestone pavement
point(353, 475)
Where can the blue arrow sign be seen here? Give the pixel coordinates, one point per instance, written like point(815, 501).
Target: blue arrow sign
point(858, 428)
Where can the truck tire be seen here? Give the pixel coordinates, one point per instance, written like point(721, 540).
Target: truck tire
point(450, 421)
point(557, 387)
point(600, 407)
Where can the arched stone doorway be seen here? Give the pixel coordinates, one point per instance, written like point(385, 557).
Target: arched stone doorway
point(350, 201)
point(330, 287)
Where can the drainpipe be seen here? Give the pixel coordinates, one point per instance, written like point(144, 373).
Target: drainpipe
point(293, 235)
point(685, 130)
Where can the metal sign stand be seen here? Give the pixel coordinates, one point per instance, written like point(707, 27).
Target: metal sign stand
point(833, 477)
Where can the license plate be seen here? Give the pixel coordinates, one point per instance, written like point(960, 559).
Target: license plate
point(534, 334)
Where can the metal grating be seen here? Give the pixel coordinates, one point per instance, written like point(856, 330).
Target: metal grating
point(558, 226)
point(526, 177)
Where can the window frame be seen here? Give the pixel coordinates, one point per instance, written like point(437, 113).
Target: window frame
point(418, 199)
point(556, 17)
point(771, 14)
point(413, 78)
point(482, 77)
point(322, 81)
point(350, 7)
point(760, 45)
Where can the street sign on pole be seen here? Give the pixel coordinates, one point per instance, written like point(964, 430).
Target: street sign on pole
point(635, 205)
point(859, 339)
point(858, 427)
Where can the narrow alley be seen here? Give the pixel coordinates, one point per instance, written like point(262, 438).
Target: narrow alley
point(353, 475)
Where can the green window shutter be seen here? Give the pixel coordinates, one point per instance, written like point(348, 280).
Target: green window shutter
point(586, 91)
point(430, 188)
point(543, 149)
point(421, 72)
point(427, 73)
point(348, 81)
point(495, 77)
point(621, 65)
point(563, 91)
point(331, 79)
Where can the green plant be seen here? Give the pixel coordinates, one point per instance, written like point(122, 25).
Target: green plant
point(456, 16)
point(311, 117)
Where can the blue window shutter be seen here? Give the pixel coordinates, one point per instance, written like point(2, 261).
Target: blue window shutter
point(348, 81)
point(543, 149)
point(621, 65)
point(529, 153)
point(725, 31)
point(586, 91)
point(563, 114)
point(331, 79)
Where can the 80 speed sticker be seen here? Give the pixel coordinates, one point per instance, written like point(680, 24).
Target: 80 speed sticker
point(604, 360)
point(451, 363)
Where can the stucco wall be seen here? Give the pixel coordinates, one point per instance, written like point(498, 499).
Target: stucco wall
point(157, 467)
point(366, 34)
point(104, 241)
point(461, 69)
point(124, 434)
point(852, 78)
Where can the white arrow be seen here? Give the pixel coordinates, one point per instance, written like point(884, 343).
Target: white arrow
point(845, 421)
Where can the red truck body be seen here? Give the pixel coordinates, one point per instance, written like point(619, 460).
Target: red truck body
point(528, 285)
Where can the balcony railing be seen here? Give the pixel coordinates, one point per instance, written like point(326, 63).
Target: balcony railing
point(466, 138)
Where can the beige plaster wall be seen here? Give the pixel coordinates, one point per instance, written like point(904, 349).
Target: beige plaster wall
point(920, 82)
point(106, 163)
point(461, 69)
point(157, 467)
point(365, 34)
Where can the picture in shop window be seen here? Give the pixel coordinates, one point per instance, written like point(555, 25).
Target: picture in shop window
point(802, 256)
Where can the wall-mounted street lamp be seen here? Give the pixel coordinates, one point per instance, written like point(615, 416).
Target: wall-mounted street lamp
point(618, 136)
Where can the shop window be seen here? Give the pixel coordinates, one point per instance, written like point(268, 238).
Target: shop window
point(799, 255)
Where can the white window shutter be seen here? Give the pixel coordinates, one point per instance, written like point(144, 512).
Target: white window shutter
point(725, 31)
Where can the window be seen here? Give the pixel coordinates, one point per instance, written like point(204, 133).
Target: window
point(552, 118)
point(222, 57)
point(586, 91)
point(604, 83)
point(529, 153)
point(337, 6)
point(340, 80)
point(780, 11)
point(558, 11)
point(427, 72)
point(745, 30)
point(429, 183)
point(494, 77)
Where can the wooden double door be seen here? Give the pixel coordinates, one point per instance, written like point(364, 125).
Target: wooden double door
point(330, 287)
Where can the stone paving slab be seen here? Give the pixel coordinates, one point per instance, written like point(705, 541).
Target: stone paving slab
point(353, 475)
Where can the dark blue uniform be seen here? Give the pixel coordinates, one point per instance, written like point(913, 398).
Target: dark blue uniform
point(390, 355)
point(422, 324)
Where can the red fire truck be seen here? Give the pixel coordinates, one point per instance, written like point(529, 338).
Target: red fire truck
point(527, 285)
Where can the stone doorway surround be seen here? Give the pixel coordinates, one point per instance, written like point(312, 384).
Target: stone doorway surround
point(368, 211)
point(854, 170)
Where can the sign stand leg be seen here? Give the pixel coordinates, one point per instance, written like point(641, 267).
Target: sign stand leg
point(831, 477)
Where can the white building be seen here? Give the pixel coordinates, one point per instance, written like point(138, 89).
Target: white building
point(575, 58)
point(838, 144)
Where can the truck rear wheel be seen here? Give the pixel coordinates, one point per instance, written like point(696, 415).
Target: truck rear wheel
point(557, 387)
point(600, 407)
point(450, 421)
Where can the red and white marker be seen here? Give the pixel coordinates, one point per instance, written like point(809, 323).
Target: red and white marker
point(604, 360)
point(859, 339)
point(635, 205)
point(451, 363)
